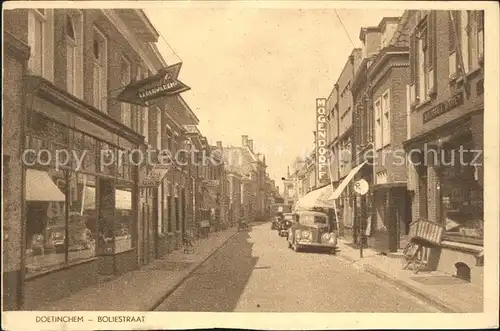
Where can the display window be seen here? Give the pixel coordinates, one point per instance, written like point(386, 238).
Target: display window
point(123, 217)
point(61, 219)
point(462, 198)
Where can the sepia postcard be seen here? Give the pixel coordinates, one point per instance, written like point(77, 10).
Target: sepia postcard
point(266, 165)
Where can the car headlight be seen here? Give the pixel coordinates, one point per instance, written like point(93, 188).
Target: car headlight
point(306, 234)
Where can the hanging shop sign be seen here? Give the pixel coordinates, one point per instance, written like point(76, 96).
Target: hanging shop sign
point(155, 176)
point(361, 187)
point(321, 150)
point(455, 101)
point(163, 84)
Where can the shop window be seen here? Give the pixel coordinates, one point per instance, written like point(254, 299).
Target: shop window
point(61, 219)
point(123, 226)
point(82, 222)
point(100, 71)
point(422, 191)
point(107, 159)
point(73, 41)
point(462, 200)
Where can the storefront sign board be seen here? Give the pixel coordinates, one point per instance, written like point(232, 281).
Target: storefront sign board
point(321, 149)
point(455, 101)
point(163, 84)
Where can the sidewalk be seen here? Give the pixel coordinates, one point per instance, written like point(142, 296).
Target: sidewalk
point(143, 289)
point(442, 291)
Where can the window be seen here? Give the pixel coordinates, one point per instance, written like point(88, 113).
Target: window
point(461, 196)
point(100, 71)
point(466, 28)
point(378, 124)
point(158, 128)
point(386, 118)
point(422, 44)
point(123, 217)
point(41, 42)
point(142, 111)
point(73, 40)
point(126, 109)
point(61, 219)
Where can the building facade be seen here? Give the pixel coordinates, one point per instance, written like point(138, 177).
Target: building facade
point(342, 146)
point(251, 166)
point(446, 106)
point(379, 93)
point(77, 220)
point(88, 213)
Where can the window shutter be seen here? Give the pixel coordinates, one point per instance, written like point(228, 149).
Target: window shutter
point(413, 57)
point(430, 39)
point(451, 30)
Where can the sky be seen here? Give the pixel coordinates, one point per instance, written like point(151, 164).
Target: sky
point(258, 71)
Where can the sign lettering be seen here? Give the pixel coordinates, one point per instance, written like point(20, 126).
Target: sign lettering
point(456, 101)
point(321, 150)
point(163, 84)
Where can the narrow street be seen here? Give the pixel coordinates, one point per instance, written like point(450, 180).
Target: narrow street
point(256, 272)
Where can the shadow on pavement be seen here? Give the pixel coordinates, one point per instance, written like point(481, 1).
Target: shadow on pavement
point(217, 285)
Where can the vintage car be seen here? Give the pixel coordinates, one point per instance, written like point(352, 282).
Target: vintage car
point(285, 224)
point(312, 229)
point(276, 223)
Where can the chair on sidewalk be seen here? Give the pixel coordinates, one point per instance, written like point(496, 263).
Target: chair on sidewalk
point(188, 242)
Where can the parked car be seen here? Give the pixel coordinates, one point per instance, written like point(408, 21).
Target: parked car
point(276, 223)
point(312, 229)
point(285, 224)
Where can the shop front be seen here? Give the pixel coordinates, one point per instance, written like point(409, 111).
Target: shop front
point(447, 163)
point(80, 195)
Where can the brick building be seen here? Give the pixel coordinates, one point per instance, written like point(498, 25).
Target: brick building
point(251, 166)
point(340, 136)
point(379, 92)
point(68, 225)
point(446, 105)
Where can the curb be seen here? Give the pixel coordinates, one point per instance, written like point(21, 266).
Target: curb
point(416, 292)
point(187, 275)
point(422, 295)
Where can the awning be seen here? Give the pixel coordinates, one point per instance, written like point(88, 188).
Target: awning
point(338, 191)
point(317, 198)
point(40, 187)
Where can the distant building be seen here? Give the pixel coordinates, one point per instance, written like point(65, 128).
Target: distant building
point(251, 166)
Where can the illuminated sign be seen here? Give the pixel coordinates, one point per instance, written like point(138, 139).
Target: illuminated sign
point(321, 150)
point(163, 84)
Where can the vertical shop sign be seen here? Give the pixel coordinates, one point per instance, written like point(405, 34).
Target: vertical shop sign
point(321, 150)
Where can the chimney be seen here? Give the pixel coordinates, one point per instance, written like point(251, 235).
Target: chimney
point(250, 144)
point(244, 141)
